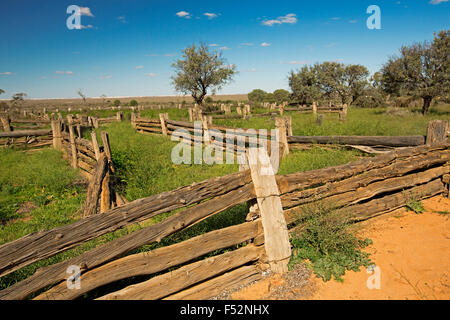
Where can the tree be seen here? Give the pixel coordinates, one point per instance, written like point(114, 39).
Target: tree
point(133, 103)
point(257, 96)
point(305, 85)
point(18, 98)
point(2, 91)
point(281, 95)
point(81, 94)
point(116, 103)
point(421, 70)
point(200, 71)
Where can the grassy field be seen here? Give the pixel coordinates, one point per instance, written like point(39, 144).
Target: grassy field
point(39, 191)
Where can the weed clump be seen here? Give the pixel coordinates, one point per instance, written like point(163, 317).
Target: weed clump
point(326, 245)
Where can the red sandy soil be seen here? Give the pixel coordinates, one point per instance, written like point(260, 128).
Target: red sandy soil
point(412, 251)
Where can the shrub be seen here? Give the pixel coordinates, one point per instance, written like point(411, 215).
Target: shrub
point(133, 103)
point(327, 245)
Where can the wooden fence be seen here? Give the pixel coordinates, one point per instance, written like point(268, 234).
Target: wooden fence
point(363, 189)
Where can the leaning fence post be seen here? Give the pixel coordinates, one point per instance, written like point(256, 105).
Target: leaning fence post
point(437, 132)
point(276, 235)
point(95, 145)
point(105, 198)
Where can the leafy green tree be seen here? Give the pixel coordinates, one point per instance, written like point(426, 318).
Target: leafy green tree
point(305, 85)
point(116, 102)
point(281, 95)
point(257, 96)
point(133, 103)
point(347, 82)
point(199, 71)
point(421, 70)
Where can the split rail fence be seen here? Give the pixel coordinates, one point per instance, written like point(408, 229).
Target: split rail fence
point(362, 189)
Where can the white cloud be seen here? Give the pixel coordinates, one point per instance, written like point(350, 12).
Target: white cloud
point(435, 2)
point(151, 75)
point(250, 70)
point(169, 55)
point(7, 73)
point(213, 45)
point(290, 18)
point(336, 18)
point(353, 21)
point(299, 62)
point(265, 44)
point(184, 14)
point(210, 15)
point(122, 19)
point(63, 72)
point(139, 67)
point(224, 48)
point(105, 77)
point(249, 44)
point(86, 12)
point(331, 45)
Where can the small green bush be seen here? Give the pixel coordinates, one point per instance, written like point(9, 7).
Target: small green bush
point(327, 246)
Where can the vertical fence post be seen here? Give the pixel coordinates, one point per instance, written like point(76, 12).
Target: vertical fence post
point(437, 132)
point(162, 119)
point(280, 124)
point(6, 123)
point(119, 116)
point(56, 133)
point(73, 146)
point(133, 119)
point(288, 120)
point(314, 108)
point(276, 235)
point(206, 137)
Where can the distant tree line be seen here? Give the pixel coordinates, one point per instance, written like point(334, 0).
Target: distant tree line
point(421, 70)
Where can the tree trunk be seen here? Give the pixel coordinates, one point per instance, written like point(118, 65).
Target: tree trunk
point(426, 104)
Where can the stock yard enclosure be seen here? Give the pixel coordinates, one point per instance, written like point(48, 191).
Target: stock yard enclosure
point(203, 266)
point(365, 188)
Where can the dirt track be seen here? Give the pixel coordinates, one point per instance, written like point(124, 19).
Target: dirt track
point(411, 250)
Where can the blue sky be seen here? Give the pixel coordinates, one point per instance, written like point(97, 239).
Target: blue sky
point(126, 48)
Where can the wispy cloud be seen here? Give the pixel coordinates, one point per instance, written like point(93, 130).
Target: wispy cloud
point(435, 2)
point(210, 15)
point(169, 55)
point(139, 67)
point(183, 14)
point(224, 48)
point(353, 21)
point(299, 62)
point(331, 45)
point(64, 72)
point(248, 44)
point(86, 12)
point(89, 26)
point(250, 70)
point(105, 77)
point(265, 44)
point(151, 75)
point(7, 73)
point(122, 19)
point(290, 18)
point(336, 18)
point(213, 45)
